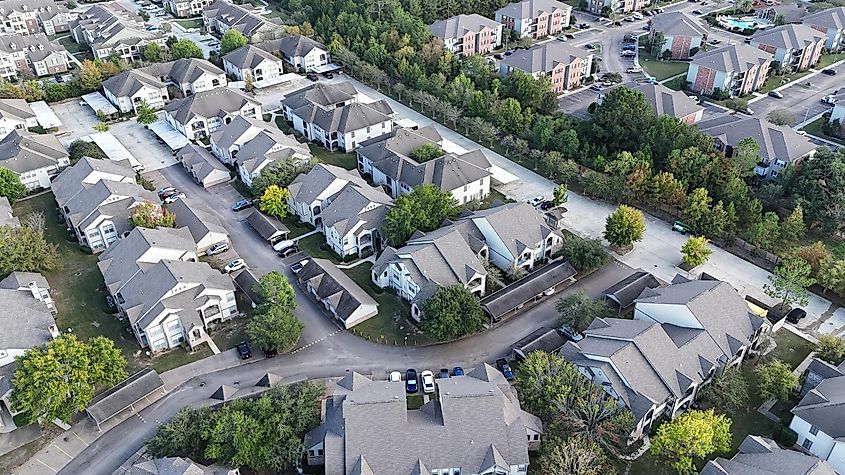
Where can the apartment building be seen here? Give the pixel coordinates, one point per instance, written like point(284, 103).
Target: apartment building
point(15, 114)
point(609, 8)
point(535, 18)
point(186, 8)
point(34, 158)
point(27, 17)
point(466, 35)
point(32, 55)
point(250, 61)
point(300, 52)
point(566, 66)
point(831, 22)
point(734, 70)
point(199, 115)
point(795, 47)
point(110, 29)
point(683, 35)
point(221, 16)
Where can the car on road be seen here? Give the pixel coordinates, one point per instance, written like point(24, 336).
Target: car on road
point(443, 374)
point(746, 111)
point(617, 23)
point(570, 334)
point(697, 12)
point(629, 47)
point(457, 371)
point(297, 268)
point(217, 248)
point(536, 200)
point(569, 36)
point(597, 87)
point(242, 205)
point(427, 380)
point(634, 69)
point(715, 42)
point(589, 46)
point(505, 368)
point(829, 71)
point(234, 265)
point(289, 251)
point(395, 377)
point(681, 227)
point(637, 16)
point(629, 54)
point(328, 75)
point(776, 94)
point(243, 350)
point(168, 193)
point(562, 38)
point(411, 381)
point(795, 315)
point(829, 100)
point(173, 198)
point(508, 52)
point(498, 56)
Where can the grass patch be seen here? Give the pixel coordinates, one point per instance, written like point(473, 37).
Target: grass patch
point(315, 246)
point(676, 84)
point(774, 82)
point(296, 227)
point(815, 128)
point(415, 401)
point(392, 325)
point(827, 59)
point(178, 357)
point(662, 69)
point(72, 46)
point(493, 197)
point(189, 23)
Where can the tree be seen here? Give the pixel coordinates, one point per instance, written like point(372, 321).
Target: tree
point(695, 251)
point(664, 188)
point(695, 434)
point(151, 215)
point(780, 19)
point(789, 282)
point(819, 186)
point(11, 186)
point(793, 228)
point(746, 156)
point(573, 456)
point(145, 114)
point(274, 328)
point(781, 117)
point(831, 348)
point(423, 209)
point(697, 209)
point(577, 311)
point(185, 48)
point(452, 312)
point(763, 233)
point(624, 226)
point(727, 391)
point(80, 148)
point(152, 53)
point(89, 77)
point(427, 151)
point(25, 249)
point(736, 104)
point(495, 278)
point(543, 381)
point(101, 127)
point(232, 39)
point(274, 290)
point(561, 195)
point(814, 254)
point(777, 380)
point(585, 255)
point(657, 42)
point(280, 173)
point(831, 274)
point(57, 381)
point(274, 201)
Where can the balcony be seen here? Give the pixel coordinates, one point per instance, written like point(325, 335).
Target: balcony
point(762, 168)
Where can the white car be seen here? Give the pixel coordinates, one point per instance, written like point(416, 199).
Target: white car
point(395, 377)
point(222, 246)
point(173, 198)
point(234, 265)
point(283, 245)
point(634, 69)
point(537, 200)
point(829, 100)
point(297, 268)
point(427, 378)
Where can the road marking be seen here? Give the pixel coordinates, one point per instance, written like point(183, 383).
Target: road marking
point(138, 414)
point(44, 464)
point(80, 438)
point(62, 450)
point(317, 341)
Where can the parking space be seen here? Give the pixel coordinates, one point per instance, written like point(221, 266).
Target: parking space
point(143, 144)
point(78, 120)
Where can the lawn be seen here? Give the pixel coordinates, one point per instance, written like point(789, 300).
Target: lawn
point(815, 128)
point(676, 84)
point(493, 197)
point(228, 334)
point(662, 69)
point(79, 293)
point(72, 46)
point(774, 82)
point(320, 154)
point(189, 23)
point(296, 227)
point(827, 59)
point(392, 325)
point(315, 246)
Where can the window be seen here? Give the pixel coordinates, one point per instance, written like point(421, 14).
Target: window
point(368, 129)
point(814, 430)
point(807, 444)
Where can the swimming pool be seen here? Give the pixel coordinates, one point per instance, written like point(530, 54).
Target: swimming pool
point(744, 23)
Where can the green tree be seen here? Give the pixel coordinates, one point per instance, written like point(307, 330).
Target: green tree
point(658, 40)
point(664, 188)
point(543, 381)
point(423, 209)
point(185, 48)
point(10, 185)
point(831, 348)
point(781, 117)
point(89, 76)
point(793, 229)
point(585, 255)
point(727, 391)
point(427, 151)
point(101, 127)
point(736, 104)
point(280, 173)
point(624, 226)
point(697, 209)
point(695, 251)
point(25, 249)
point(746, 157)
point(274, 290)
point(577, 311)
point(819, 186)
point(561, 195)
point(151, 215)
point(274, 201)
point(695, 434)
point(776, 380)
point(831, 274)
point(789, 282)
point(80, 148)
point(57, 381)
point(232, 40)
point(274, 328)
point(145, 114)
point(618, 123)
point(152, 53)
point(574, 456)
point(452, 312)
point(763, 233)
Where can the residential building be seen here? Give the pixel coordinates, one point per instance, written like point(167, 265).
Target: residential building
point(6, 216)
point(186, 8)
point(680, 337)
point(817, 371)
point(566, 66)
point(300, 52)
point(337, 292)
point(27, 315)
point(87, 172)
point(467, 35)
point(732, 70)
point(199, 115)
point(763, 456)
point(794, 47)
point(205, 227)
point(474, 426)
point(818, 421)
point(780, 145)
point(206, 170)
point(222, 16)
point(352, 218)
point(683, 35)
point(188, 75)
point(388, 161)
point(110, 29)
point(127, 90)
point(31, 56)
point(34, 158)
point(252, 145)
point(332, 115)
point(311, 192)
point(670, 102)
point(837, 114)
point(28, 17)
point(610, 8)
point(15, 114)
point(176, 465)
point(250, 61)
point(831, 22)
point(535, 18)
point(789, 13)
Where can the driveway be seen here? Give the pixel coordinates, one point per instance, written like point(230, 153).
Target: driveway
point(78, 121)
point(143, 145)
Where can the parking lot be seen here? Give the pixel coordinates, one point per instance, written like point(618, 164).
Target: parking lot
point(143, 144)
point(78, 120)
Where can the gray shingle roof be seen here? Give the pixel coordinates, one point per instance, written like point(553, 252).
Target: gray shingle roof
point(736, 57)
point(237, 17)
point(176, 466)
point(15, 109)
point(669, 102)
point(475, 423)
point(532, 8)
point(197, 218)
point(761, 456)
point(306, 187)
point(791, 36)
point(544, 57)
point(130, 82)
point(518, 225)
point(213, 103)
point(824, 407)
point(26, 321)
point(292, 45)
point(129, 391)
point(23, 152)
point(267, 226)
point(333, 284)
point(182, 70)
point(356, 205)
point(249, 56)
point(459, 25)
point(678, 24)
point(202, 164)
point(334, 107)
point(626, 291)
point(776, 141)
point(527, 288)
point(6, 216)
point(89, 200)
point(829, 18)
point(21, 280)
point(37, 46)
point(259, 142)
point(74, 179)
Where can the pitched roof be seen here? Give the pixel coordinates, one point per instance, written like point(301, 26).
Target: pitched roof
point(128, 83)
point(269, 227)
point(669, 102)
point(790, 36)
point(15, 109)
point(6, 216)
point(249, 56)
point(626, 291)
point(678, 24)
point(74, 179)
point(237, 17)
point(737, 57)
point(292, 45)
point(37, 46)
point(518, 225)
point(544, 57)
point(829, 18)
point(183, 70)
point(824, 407)
point(761, 456)
point(22, 280)
point(358, 208)
point(10, 7)
point(26, 321)
point(176, 466)
point(119, 397)
point(333, 284)
point(775, 141)
point(201, 163)
point(459, 25)
point(197, 218)
point(306, 187)
point(214, 103)
point(92, 197)
point(532, 8)
point(23, 152)
point(335, 107)
point(258, 141)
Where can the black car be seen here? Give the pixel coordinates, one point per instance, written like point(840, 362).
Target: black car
point(269, 353)
point(829, 72)
point(443, 374)
point(289, 251)
point(411, 381)
point(547, 205)
point(795, 315)
point(311, 76)
point(110, 302)
point(498, 56)
point(243, 350)
point(328, 75)
point(59, 78)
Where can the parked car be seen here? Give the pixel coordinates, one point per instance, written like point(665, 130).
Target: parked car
point(569, 36)
point(234, 265)
point(561, 38)
point(162, 191)
point(829, 100)
point(583, 26)
point(547, 205)
point(443, 374)
point(427, 379)
point(311, 77)
point(536, 200)
point(679, 226)
point(411, 381)
point(795, 315)
point(110, 302)
point(269, 352)
point(697, 12)
point(829, 71)
point(597, 87)
point(328, 75)
point(715, 42)
point(628, 54)
point(457, 371)
point(217, 248)
point(634, 70)
point(775, 94)
point(297, 268)
point(498, 56)
point(289, 251)
point(570, 334)
point(242, 205)
point(278, 246)
point(505, 368)
point(629, 47)
point(173, 198)
point(395, 377)
point(243, 350)
point(168, 193)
